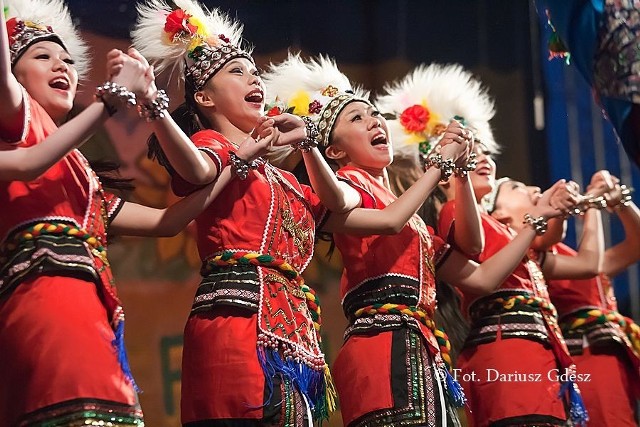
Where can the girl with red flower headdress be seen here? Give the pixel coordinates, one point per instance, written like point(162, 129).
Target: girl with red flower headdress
point(61, 322)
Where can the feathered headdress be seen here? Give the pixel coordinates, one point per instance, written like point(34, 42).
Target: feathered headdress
point(31, 21)
point(426, 100)
point(315, 88)
point(488, 201)
point(194, 41)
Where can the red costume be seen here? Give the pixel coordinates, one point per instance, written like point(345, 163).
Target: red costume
point(510, 362)
point(58, 306)
point(250, 348)
point(600, 341)
point(388, 370)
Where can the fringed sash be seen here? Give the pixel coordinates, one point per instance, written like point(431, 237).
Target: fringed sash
point(289, 320)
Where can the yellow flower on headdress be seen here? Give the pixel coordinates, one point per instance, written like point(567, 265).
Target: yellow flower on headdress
point(300, 103)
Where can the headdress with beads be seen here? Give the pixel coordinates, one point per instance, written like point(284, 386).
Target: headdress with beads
point(488, 201)
point(190, 39)
point(423, 103)
point(315, 88)
point(32, 21)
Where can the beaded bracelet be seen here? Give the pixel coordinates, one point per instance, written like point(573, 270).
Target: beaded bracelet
point(626, 197)
point(446, 166)
point(539, 224)
point(117, 91)
point(471, 165)
point(241, 167)
point(311, 141)
point(588, 202)
point(157, 109)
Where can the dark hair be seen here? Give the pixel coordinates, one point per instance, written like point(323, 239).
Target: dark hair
point(109, 173)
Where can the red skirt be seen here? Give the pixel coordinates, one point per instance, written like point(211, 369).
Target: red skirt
point(55, 347)
point(608, 391)
point(221, 374)
point(509, 379)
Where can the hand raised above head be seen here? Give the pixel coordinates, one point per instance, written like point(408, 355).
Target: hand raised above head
point(133, 72)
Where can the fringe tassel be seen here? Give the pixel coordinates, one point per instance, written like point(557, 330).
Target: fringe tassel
point(118, 344)
point(577, 411)
point(454, 390)
point(316, 386)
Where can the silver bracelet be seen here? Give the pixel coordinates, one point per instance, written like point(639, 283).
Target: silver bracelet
point(626, 197)
point(241, 167)
point(311, 141)
point(539, 224)
point(116, 91)
point(157, 109)
point(470, 166)
point(446, 166)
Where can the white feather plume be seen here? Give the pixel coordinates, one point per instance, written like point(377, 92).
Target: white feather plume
point(55, 14)
point(153, 43)
point(286, 79)
point(446, 91)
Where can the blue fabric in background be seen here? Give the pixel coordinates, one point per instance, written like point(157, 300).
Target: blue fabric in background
point(581, 141)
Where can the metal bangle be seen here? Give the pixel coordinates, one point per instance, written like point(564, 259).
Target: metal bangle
point(470, 166)
point(538, 224)
point(446, 166)
point(110, 89)
point(311, 141)
point(157, 109)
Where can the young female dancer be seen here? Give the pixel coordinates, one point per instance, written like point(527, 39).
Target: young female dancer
point(56, 289)
point(487, 334)
point(390, 369)
point(604, 344)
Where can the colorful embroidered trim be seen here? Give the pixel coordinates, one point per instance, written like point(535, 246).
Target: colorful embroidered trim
point(254, 258)
point(55, 228)
point(588, 317)
point(454, 389)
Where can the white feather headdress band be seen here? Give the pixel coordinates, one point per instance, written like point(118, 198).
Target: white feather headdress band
point(31, 21)
point(427, 99)
point(488, 201)
point(191, 40)
point(315, 88)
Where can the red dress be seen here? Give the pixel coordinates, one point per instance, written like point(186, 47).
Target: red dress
point(513, 351)
point(250, 348)
point(600, 347)
point(387, 371)
point(58, 307)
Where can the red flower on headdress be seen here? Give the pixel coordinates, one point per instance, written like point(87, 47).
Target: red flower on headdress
point(178, 22)
point(414, 118)
point(224, 38)
point(274, 111)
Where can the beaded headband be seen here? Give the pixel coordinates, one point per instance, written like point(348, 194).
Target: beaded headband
point(191, 39)
point(424, 102)
point(313, 88)
point(488, 201)
point(29, 22)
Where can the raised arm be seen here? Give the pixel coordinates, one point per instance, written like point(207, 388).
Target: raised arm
point(484, 278)
point(26, 164)
point(138, 220)
point(468, 233)
point(11, 105)
point(620, 256)
point(587, 263)
point(395, 216)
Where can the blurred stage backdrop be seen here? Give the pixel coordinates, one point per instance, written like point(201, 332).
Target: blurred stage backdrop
point(546, 122)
